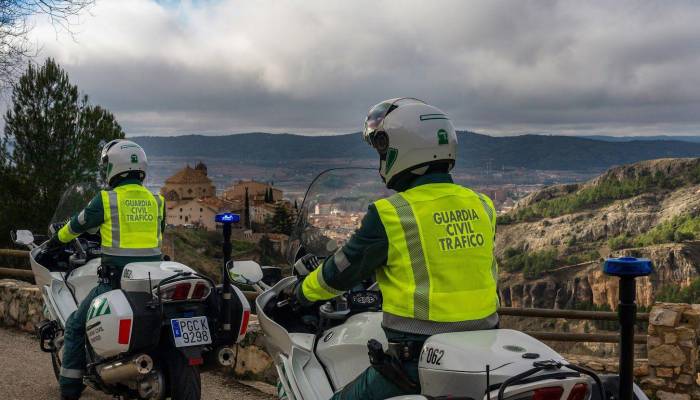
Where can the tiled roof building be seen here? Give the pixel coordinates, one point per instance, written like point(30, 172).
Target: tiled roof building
point(189, 183)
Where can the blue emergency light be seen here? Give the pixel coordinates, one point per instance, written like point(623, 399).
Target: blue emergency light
point(627, 269)
point(225, 218)
point(628, 266)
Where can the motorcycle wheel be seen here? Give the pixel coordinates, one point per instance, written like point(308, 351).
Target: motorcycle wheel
point(183, 380)
point(57, 357)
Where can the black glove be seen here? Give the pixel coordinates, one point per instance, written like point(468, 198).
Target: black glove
point(55, 227)
point(294, 297)
point(54, 244)
point(307, 264)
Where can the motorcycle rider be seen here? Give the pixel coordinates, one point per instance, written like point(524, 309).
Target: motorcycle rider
point(430, 246)
point(131, 221)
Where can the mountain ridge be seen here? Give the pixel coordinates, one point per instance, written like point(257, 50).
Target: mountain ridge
point(475, 150)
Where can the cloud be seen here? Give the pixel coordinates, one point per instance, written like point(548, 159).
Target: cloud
point(316, 66)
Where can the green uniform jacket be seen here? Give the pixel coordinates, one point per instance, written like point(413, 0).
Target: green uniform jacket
point(367, 250)
point(93, 217)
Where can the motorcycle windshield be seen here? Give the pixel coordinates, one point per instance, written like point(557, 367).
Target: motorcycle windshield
point(333, 208)
point(73, 200)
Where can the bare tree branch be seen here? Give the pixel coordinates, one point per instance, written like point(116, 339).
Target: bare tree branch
point(15, 46)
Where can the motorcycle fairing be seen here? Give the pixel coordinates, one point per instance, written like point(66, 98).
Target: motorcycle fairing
point(306, 379)
point(59, 300)
point(83, 279)
point(308, 375)
point(343, 349)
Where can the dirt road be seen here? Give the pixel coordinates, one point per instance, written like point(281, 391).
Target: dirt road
point(26, 373)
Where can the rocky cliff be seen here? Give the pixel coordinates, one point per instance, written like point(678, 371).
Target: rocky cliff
point(569, 287)
point(663, 191)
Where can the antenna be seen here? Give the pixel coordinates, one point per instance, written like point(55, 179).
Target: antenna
point(488, 382)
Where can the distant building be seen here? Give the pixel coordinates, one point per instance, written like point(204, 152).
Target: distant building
point(497, 195)
point(189, 183)
point(257, 192)
point(190, 198)
point(323, 209)
point(260, 212)
point(199, 212)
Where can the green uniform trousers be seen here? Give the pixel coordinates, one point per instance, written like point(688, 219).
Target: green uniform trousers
point(74, 356)
point(371, 385)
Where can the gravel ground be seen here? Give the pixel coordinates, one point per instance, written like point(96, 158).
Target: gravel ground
point(26, 373)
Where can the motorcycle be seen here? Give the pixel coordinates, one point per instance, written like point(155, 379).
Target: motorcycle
point(149, 338)
point(318, 350)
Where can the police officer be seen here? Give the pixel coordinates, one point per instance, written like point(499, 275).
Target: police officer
point(131, 221)
point(430, 246)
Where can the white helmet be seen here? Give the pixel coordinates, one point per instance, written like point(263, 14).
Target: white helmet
point(410, 135)
point(122, 156)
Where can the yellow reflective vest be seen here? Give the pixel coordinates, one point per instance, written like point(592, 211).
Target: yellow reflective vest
point(132, 221)
point(440, 264)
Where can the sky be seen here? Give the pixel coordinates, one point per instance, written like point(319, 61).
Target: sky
point(317, 66)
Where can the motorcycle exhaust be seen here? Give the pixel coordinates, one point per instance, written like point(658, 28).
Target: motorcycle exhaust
point(222, 356)
point(225, 356)
point(125, 370)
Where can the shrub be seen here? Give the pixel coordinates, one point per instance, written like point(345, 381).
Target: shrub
point(675, 294)
point(511, 252)
point(678, 229)
point(532, 265)
point(590, 255)
point(604, 192)
point(619, 242)
point(679, 236)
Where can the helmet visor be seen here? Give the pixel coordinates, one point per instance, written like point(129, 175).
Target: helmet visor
point(374, 120)
point(376, 115)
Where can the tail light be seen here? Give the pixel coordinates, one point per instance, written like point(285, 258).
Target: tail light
point(191, 289)
point(201, 291)
point(579, 392)
point(244, 323)
point(124, 331)
point(548, 393)
point(179, 292)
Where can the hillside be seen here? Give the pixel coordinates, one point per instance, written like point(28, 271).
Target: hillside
point(201, 250)
point(551, 244)
point(527, 151)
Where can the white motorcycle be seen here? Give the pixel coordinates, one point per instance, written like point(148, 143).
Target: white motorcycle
point(319, 350)
point(148, 339)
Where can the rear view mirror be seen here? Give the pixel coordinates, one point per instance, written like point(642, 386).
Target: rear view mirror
point(246, 272)
point(23, 237)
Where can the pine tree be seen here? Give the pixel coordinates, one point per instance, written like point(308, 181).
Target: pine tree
point(52, 139)
point(246, 219)
point(281, 221)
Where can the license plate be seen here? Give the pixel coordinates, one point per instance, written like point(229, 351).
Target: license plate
point(190, 331)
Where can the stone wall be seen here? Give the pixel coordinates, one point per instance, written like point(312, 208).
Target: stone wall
point(252, 362)
point(609, 365)
point(20, 305)
point(674, 330)
point(671, 371)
